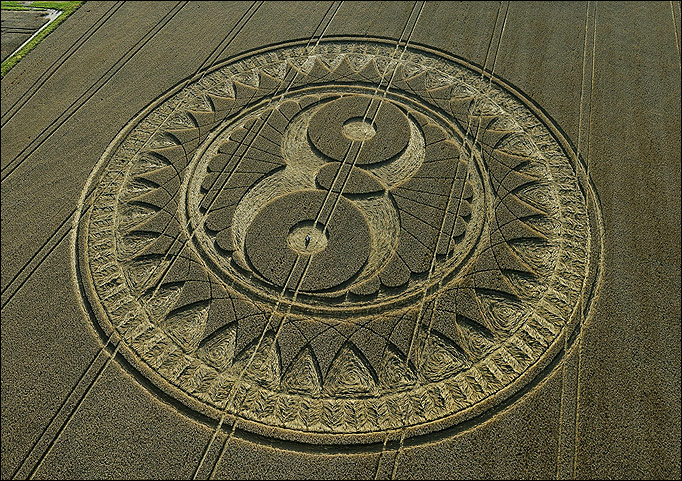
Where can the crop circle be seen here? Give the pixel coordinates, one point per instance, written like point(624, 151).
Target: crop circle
point(329, 244)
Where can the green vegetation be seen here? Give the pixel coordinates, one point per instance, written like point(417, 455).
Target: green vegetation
point(14, 6)
point(38, 5)
point(67, 8)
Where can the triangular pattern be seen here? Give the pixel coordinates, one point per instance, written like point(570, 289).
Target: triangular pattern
point(303, 376)
point(475, 340)
point(159, 302)
point(218, 349)
point(504, 315)
point(349, 375)
point(186, 326)
point(396, 374)
point(263, 367)
point(440, 359)
point(140, 272)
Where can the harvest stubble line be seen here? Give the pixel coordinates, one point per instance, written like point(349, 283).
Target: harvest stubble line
point(76, 105)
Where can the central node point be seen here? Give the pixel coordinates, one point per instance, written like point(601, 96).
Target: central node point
point(306, 238)
point(358, 129)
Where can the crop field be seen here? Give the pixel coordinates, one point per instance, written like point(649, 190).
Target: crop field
point(341, 239)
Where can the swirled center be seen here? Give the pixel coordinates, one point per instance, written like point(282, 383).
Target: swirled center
point(358, 129)
point(307, 238)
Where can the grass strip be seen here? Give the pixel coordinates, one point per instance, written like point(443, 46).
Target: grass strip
point(67, 8)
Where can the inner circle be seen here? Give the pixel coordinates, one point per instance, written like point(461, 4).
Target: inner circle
point(307, 237)
point(239, 250)
point(358, 129)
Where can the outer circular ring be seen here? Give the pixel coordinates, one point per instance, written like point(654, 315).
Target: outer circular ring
point(581, 313)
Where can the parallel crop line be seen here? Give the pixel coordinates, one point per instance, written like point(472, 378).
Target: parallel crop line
point(114, 331)
point(88, 94)
point(45, 76)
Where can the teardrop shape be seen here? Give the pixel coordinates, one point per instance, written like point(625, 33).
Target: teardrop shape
point(396, 273)
point(367, 288)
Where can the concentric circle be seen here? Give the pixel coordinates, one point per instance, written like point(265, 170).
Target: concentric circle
point(307, 238)
point(330, 244)
point(318, 172)
point(388, 127)
point(346, 236)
